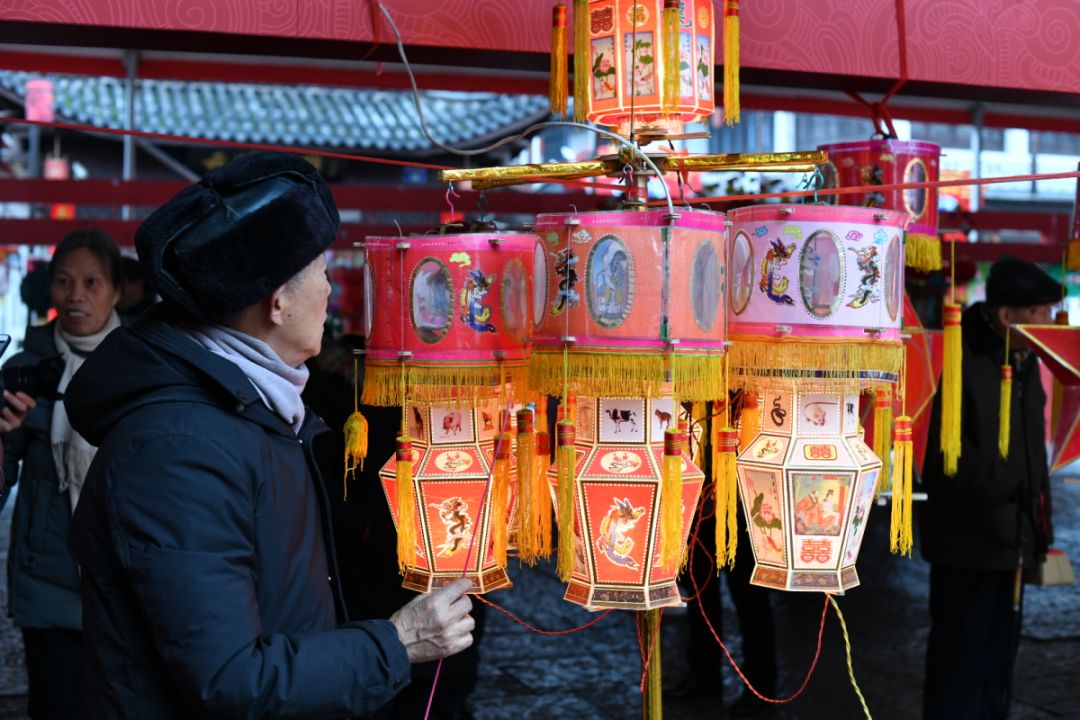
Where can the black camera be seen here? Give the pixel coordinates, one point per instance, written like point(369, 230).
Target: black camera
point(38, 380)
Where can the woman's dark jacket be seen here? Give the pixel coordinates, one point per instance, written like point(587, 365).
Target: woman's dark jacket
point(992, 510)
point(43, 580)
point(203, 534)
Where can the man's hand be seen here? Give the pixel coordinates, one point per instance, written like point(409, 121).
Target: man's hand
point(15, 408)
point(436, 625)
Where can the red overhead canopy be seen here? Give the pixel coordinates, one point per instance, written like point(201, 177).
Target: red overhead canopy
point(1027, 47)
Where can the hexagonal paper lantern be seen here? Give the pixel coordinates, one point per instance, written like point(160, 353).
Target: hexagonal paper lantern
point(618, 493)
point(453, 450)
point(807, 482)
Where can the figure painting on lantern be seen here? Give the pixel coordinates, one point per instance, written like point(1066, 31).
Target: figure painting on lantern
point(766, 528)
point(609, 284)
point(640, 56)
point(431, 300)
point(686, 72)
point(858, 518)
point(603, 68)
point(819, 499)
point(704, 67)
point(614, 542)
point(453, 513)
point(772, 283)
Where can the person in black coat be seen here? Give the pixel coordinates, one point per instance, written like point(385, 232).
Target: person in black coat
point(982, 526)
point(209, 577)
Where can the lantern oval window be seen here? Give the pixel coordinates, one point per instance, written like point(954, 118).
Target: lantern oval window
point(742, 272)
point(431, 300)
point(894, 281)
point(915, 198)
point(515, 300)
point(821, 274)
point(706, 285)
point(540, 283)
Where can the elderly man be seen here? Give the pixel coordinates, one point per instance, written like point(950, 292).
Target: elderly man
point(982, 526)
point(208, 569)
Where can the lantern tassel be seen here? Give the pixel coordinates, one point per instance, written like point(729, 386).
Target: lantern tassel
point(883, 435)
point(541, 491)
point(581, 60)
point(725, 450)
point(528, 517)
point(557, 87)
point(731, 62)
point(1005, 411)
point(356, 447)
point(1073, 260)
point(500, 495)
point(922, 252)
point(566, 458)
point(951, 397)
point(900, 522)
point(406, 504)
point(671, 501)
point(670, 66)
point(749, 419)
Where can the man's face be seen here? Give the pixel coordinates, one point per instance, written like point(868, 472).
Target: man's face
point(306, 297)
point(1027, 315)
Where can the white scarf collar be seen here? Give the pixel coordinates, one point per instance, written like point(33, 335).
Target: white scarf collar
point(278, 384)
point(72, 454)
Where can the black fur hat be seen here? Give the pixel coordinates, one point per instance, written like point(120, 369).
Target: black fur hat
point(230, 240)
point(1019, 283)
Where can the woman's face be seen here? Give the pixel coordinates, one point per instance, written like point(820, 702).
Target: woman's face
point(82, 293)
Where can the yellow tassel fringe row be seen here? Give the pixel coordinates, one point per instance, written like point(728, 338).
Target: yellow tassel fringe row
point(838, 359)
point(922, 252)
point(431, 385)
point(610, 374)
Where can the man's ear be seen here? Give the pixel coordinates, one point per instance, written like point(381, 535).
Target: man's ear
point(277, 306)
point(1005, 316)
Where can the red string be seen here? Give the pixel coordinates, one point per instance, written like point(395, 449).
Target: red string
point(540, 631)
point(77, 127)
point(858, 189)
point(646, 658)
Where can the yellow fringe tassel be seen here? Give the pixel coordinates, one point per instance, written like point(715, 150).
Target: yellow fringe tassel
point(883, 435)
point(922, 252)
point(582, 68)
point(528, 543)
point(900, 540)
point(566, 459)
point(443, 385)
point(356, 447)
point(731, 62)
point(670, 67)
point(1005, 411)
point(951, 397)
point(671, 501)
point(749, 419)
point(609, 374)
point(838, 359)
point(726, 481)
point(557, 83)
point(500, 499)
point(406, 504)
point(1073, 259)
point(541, 488)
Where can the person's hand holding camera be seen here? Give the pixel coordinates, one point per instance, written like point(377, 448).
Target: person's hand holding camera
point(16, 405)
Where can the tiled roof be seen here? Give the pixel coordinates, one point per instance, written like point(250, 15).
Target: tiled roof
point(373, 120)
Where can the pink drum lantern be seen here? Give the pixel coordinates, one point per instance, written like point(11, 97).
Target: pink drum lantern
point(891, 162)
point(447, 316)
point(637, 298)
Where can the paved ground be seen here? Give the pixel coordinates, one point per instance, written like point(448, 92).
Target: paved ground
point(595, 673)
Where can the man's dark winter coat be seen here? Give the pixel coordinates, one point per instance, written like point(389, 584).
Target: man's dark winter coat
point(208, 572)
point(972, 519)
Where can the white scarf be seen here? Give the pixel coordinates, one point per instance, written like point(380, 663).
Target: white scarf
point(278, 384)
point(71, 453)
